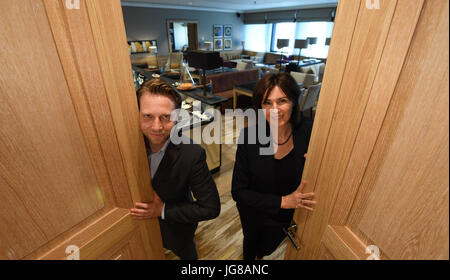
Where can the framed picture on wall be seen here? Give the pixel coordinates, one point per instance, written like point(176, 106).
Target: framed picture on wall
point(218, 31)
point(227, 44)
point(227, 31)
point(218, 44)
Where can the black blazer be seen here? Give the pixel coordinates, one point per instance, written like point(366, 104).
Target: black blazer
point(254, 186)
point(183, 169)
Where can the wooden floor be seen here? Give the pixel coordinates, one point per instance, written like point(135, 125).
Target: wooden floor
point(221, 238)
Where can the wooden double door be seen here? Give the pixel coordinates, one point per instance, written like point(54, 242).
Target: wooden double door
point(378, 158)
point(72, 158)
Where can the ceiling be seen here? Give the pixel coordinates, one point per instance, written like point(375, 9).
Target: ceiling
point(231, 6)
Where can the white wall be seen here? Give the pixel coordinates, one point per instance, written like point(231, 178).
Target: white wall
point(151, 24)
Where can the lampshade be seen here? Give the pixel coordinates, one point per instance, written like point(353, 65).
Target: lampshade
point(282, 43)
point(327, 41)
point(204, 59)
point(300, 44)
point(312, 40)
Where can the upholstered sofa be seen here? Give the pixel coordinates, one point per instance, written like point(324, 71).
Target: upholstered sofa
point(228, 56)
point(227, 80)
point(223, 83)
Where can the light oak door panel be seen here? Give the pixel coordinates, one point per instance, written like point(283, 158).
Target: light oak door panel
point(64, 179)
point(402, 204)
point(378, 158)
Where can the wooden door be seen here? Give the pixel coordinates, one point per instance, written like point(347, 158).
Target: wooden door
point(378, 158)
point(72, 159)
point(192, 36)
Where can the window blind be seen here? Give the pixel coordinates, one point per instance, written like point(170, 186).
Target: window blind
point(299, 15)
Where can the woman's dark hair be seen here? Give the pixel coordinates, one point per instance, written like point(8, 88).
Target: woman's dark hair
point(287, 84)
point(159, 87)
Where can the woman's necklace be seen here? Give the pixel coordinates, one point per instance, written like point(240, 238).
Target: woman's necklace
point(281, 144)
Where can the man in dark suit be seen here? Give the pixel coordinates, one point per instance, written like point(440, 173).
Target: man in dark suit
point(176, 170)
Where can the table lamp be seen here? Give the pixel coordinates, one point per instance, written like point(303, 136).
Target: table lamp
point(300, 44)
point(205, 60)
point(311, 41)
point(282, 43)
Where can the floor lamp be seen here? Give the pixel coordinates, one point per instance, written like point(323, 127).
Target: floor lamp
point(300, 44)
point(327, 43)
point(282, 43)
point(311, 41)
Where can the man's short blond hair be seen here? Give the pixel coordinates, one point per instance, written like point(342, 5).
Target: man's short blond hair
point(159, 87)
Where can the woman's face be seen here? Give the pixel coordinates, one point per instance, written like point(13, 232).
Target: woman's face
point(278, 101)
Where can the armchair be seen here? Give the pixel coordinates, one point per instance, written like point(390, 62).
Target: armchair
point(307, 80)
point(244, 65)
point(309, 99)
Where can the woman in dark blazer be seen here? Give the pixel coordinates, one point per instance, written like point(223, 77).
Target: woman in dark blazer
point(268, 188)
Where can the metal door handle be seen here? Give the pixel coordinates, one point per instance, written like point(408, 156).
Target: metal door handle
point(290, 232)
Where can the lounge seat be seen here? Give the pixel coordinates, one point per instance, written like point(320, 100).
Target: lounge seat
point(306, 79)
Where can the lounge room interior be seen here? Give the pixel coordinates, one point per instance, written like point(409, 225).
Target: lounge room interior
point(373, 82)
point(249, 42)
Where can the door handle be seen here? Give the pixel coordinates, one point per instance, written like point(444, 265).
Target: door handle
point(290, 232)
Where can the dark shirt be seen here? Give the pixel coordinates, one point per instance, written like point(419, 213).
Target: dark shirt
point(288, 179)
point(259, 181)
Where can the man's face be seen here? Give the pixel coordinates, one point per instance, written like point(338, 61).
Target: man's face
point(155, 117)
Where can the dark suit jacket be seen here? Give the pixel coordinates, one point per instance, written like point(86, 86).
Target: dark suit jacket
point(183, 169)
point(254, 186)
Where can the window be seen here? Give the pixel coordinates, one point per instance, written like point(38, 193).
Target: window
point(321, 30)
point(256, 37)
point(284, 30)
point(263, 37)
